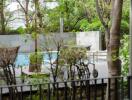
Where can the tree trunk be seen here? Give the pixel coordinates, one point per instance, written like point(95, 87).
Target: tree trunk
point(2, 17)
point(36, 25)
point(112, 44)
point(114, 63)
point(26, 14)
point(39, 14)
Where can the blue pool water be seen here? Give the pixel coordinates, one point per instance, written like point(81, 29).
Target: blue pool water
point(23, 58)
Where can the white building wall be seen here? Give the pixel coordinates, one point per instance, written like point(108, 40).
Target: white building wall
point(24, 41)
point(91, 38)
point(27, 43)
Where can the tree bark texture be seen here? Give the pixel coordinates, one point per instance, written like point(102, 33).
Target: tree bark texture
point(113, 44)
point(114, 63)
point(2, 17)
point(26, 13)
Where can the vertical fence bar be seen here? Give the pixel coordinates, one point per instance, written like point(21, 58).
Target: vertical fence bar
point(87, 90)
point(81, 90)
point(11, 90)
point(65, 89)
point(109, 89)
point(128, 80)
point(40, 92)
point(122, 88)
point(57, 93)
point(74, 90)
point(1, 93)
point(21, 93)
point(116, 89)
point(95, 89)
point(49, 91)
point(30, 92)
point(102, 89)
point(10, 94)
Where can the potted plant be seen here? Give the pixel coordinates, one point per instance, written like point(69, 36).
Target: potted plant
point(35, 62)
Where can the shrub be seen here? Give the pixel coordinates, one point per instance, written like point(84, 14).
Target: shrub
point(35, 62)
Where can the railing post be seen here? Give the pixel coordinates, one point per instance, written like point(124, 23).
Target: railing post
point(109, 89)
point(30, 92)
point(128, 80)
point(81, 89)
point(102, 89)
point(74, 90)
point(49, 91)
point(21, 93)
point(65, 97)
point(122, 88)
point(87, 84)
point(40, 92)
point(57, 94)
point(1, 93)
point(89, 89)
point(95, 89)
point(116, 89)
point(11, 93)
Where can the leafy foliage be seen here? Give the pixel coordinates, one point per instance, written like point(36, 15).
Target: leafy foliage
point(35, 61)
point(21, 30)
point(78, 15)
point(124, 54)
point(33, 57)
point(37, 79)
point(71, 55)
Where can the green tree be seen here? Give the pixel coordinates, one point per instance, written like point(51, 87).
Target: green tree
point(73, 13)
point(5, 17)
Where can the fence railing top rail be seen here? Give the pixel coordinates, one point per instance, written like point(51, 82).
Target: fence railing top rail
point(69, 81)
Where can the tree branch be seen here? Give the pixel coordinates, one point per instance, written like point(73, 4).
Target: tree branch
point(100, 17)
point(21, 6)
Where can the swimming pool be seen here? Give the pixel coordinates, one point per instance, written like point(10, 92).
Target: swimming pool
point(23, 58)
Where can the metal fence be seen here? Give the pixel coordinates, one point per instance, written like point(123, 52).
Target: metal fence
point(91, 89)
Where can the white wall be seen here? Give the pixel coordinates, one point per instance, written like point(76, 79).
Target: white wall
point(26, 42)
point(89, 38)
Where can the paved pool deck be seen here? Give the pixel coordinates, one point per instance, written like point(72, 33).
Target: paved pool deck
point(100, 65)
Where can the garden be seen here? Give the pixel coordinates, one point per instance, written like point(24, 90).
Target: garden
point(56, 67)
